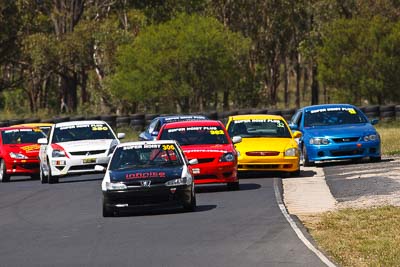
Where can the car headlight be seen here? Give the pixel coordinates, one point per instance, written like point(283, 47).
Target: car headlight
point(179, 181)
point(227, 157)
point(58, 153)
point(319, 141)
point(17, 156)
point(291, 152)
point(371, 137)
point(115, 186)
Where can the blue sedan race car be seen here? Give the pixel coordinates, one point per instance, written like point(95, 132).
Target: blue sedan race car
point(335, 132)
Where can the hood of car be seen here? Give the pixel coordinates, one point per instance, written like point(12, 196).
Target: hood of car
point(151, 173)
point(265, 144)
point(25, 149)
point(86, 145)
point(339, 130)
point(207, 151)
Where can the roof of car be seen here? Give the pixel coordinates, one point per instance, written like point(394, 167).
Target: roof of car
point(327, 106)
point(192, 123)
point(69, 123)
point(256, 116)
point(16, 127)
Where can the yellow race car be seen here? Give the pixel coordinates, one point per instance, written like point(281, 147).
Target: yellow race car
point(267, 144)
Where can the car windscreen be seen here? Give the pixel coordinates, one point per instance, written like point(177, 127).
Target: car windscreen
point(259, 128)
point(145, 156)
point(196, 135)
point(333, 116)
point(81, 132)
point(22, 136)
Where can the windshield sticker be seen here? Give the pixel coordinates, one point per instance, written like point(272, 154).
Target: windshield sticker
point(93, 126)
point(177, 118)
point(194, 128)
point(18, 130)
point(216, 132)
point(143, 175)
point(278, 122)
point(205, 150)
point(141, 146)
point(168, 147)
point(350, 110)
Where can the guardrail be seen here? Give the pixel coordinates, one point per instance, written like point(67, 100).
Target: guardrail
point(138, 121)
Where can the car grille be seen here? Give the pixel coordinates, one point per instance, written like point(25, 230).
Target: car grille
point(262, 153)
point(29, 166)
point(84, 167)
point(346, 139)
point(347, 152)
point(205, 176)
point(87, 153)
point(258, 166)
point(205, 160)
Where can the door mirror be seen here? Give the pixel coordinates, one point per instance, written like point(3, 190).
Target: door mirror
point(193, 161)
point(42, 141)
point(297, 134)
point(236, 139)
point(121, 135)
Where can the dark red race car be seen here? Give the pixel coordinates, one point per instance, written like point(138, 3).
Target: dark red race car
point(19, 151)
point(208, 142)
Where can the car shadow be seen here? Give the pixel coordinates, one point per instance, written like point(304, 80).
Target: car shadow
point(161, 211)
point(224, 188)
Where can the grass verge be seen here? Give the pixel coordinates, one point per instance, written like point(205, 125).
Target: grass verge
point(390, 137)
point(359, 237)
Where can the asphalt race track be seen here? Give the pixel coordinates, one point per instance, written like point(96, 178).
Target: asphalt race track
point(62, 225)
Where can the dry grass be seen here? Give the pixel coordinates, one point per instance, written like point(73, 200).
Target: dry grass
point(366, 237)
point(390, 135)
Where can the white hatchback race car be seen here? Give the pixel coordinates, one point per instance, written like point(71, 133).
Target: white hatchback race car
point(76, 147)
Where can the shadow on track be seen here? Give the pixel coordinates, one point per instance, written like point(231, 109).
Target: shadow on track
point(156, 211)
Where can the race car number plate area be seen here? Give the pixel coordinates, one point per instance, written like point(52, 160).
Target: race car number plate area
point(89, 160)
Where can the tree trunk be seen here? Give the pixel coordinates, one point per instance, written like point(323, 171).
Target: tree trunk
point(314, 85)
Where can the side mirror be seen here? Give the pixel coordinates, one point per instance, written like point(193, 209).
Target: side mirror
point(121, 135)
point(297, 134)
point(42, 141)
point(99, 168)
point(374, 121)
point(236, 139)
point(193, 162)
point(154, 133)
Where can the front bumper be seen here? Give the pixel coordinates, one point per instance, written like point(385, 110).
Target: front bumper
point(209, 173)
point(269, 163)
point(155, 195)
point(74, 165)
point(343, 151)
point(22, 166)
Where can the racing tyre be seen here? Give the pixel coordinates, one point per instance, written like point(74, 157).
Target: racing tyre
point(191, 204)
point(35, 176)
point(4, 177)
point(107, 212)
point(50, 178)
point(306, 161)
point(43, 178)
point(375, 159)
point(233, 186)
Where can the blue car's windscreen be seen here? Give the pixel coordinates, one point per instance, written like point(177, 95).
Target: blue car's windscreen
point(196, 135)
point(145, 156)
point(259, 128)
point(333, 116)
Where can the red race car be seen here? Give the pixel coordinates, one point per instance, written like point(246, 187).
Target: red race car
point(208, 142)
point(19, 151)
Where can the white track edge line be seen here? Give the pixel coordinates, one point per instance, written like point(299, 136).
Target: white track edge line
point(296, 229)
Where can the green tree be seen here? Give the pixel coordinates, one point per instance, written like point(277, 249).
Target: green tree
point(188, 61)
point(359, 58)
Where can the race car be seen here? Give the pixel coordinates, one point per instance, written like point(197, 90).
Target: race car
point(146, 174)
point(19, 152)
point(267, 143)
point(336, 132)
point(76, 147)
point(155, 125)
point(209, 143)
